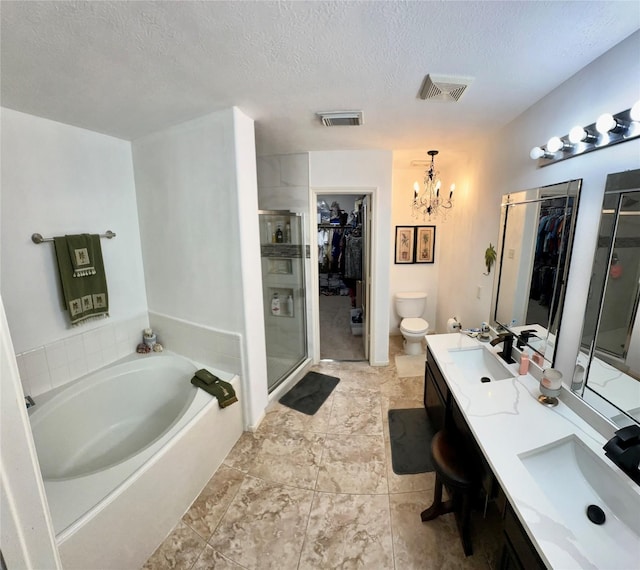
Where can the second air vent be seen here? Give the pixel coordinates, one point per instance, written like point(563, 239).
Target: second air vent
point(444, 87)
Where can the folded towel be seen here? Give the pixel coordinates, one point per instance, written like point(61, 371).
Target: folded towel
point(219, 388)
point(82, 275)
point(206, 376)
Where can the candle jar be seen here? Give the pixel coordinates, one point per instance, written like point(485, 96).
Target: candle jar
point(550, 387)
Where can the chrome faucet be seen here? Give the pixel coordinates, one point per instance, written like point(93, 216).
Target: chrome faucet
point(624, 450)
point(507, 344)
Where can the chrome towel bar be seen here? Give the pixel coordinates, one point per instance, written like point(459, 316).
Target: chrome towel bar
point(37, 238)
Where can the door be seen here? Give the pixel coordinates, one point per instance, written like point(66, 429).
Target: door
point(282, 252)
point(341, 320)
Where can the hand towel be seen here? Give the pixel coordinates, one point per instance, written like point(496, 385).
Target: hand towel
point(82, 275)
point(219, 388)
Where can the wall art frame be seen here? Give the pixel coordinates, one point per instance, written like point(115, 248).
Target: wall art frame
point(425, 246)
point(405, 244)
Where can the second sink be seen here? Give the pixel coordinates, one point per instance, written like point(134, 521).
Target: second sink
point(573, 478)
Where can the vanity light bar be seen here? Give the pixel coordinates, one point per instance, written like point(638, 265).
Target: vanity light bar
point(605, 132)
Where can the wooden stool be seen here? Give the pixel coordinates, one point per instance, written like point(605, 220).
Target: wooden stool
point(453, 471)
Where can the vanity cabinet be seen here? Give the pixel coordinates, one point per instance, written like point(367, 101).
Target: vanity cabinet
point(437, 397)
point(518, 553)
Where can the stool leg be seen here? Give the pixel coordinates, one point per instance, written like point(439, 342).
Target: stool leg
point(465, 524)
point(435, 509)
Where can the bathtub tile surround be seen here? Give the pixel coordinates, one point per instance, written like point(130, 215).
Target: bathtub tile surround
point(209, 346)
point(357, 512)
point(57, 363)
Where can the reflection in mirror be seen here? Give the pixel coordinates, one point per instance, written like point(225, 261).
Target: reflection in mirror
point(534, 249)
point(610, 351)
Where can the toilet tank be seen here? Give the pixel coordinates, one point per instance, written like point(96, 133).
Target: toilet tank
point(410, 304)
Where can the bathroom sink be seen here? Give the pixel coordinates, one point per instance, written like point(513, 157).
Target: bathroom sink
point(573, 478)
point(478, 364)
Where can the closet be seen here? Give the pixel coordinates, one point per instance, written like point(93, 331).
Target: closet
point(342, 249)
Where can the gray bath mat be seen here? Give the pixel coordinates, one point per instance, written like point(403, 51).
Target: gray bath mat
point(410, 433)
point(310, 393)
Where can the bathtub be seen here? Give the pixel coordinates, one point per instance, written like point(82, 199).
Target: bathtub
point(124, 451)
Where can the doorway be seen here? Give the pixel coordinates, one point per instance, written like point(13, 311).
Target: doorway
point(342, 247)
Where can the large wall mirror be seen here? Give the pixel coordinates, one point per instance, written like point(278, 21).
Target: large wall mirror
point(610, 350)
point(533, 255)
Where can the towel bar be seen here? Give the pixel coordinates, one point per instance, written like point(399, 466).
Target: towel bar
point(37, 238)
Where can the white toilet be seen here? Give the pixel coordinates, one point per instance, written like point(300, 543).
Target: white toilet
point(410, 307)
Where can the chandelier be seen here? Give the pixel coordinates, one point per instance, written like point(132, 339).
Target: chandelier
point(428, 202)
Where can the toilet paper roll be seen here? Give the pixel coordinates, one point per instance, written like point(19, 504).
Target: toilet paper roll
point(453, 325)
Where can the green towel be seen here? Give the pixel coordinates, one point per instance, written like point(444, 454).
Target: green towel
point(206, 376)
point(84, 283)
point(213, 385)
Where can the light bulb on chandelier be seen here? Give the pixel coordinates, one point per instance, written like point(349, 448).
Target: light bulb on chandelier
point(427, 202)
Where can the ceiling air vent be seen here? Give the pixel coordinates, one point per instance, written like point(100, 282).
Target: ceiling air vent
point(340, 118)
point(444, 87)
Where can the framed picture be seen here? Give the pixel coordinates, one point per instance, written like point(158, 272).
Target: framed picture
point(425, 243)
point(405, 244)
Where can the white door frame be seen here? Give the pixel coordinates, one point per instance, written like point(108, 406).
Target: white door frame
point(27, 539)
point(314, 193)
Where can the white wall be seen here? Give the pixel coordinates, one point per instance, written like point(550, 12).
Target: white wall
point(502, 164)
point(186, 195)
point(365, 169)
point(56, 180)
point(197, 198)
point(416, 276)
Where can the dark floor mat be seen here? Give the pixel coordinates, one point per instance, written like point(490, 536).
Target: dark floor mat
point(310, 393)
point(410, 433)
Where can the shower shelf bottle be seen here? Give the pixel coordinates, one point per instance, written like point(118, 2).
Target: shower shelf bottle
point(290, 306)
point(275, 305)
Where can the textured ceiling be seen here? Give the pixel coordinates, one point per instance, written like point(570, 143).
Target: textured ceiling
point(130, 68)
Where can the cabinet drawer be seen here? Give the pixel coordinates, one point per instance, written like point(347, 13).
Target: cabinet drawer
point(437, 376)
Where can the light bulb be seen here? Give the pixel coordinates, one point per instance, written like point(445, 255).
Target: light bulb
point(577, 134)
point(635, 111)
point(554, 144)
point(453, 187)
point(536, 153)
point(605, 123)
point(416, 189)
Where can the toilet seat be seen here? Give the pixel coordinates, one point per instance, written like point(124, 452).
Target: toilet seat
point(414, 325)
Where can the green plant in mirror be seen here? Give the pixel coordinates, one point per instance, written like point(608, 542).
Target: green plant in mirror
point(490, 257)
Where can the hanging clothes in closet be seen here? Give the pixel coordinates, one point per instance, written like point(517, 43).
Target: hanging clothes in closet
point(353, 255)
point(550, 248)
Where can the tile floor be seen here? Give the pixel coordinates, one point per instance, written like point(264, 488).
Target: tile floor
point(318, 492)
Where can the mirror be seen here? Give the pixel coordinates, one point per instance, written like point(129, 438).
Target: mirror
point(534, 250)
point(610, 349)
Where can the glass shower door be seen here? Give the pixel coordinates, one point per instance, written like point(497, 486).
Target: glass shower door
point(282, 253)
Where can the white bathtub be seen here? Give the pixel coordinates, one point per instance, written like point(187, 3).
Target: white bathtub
point(123, 453)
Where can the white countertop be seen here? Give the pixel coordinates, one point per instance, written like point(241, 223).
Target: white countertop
point(507, 420)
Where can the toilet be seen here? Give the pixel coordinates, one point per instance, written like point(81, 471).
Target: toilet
point(410, 307)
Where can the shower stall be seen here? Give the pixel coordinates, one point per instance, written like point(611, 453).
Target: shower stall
point(283, 281)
